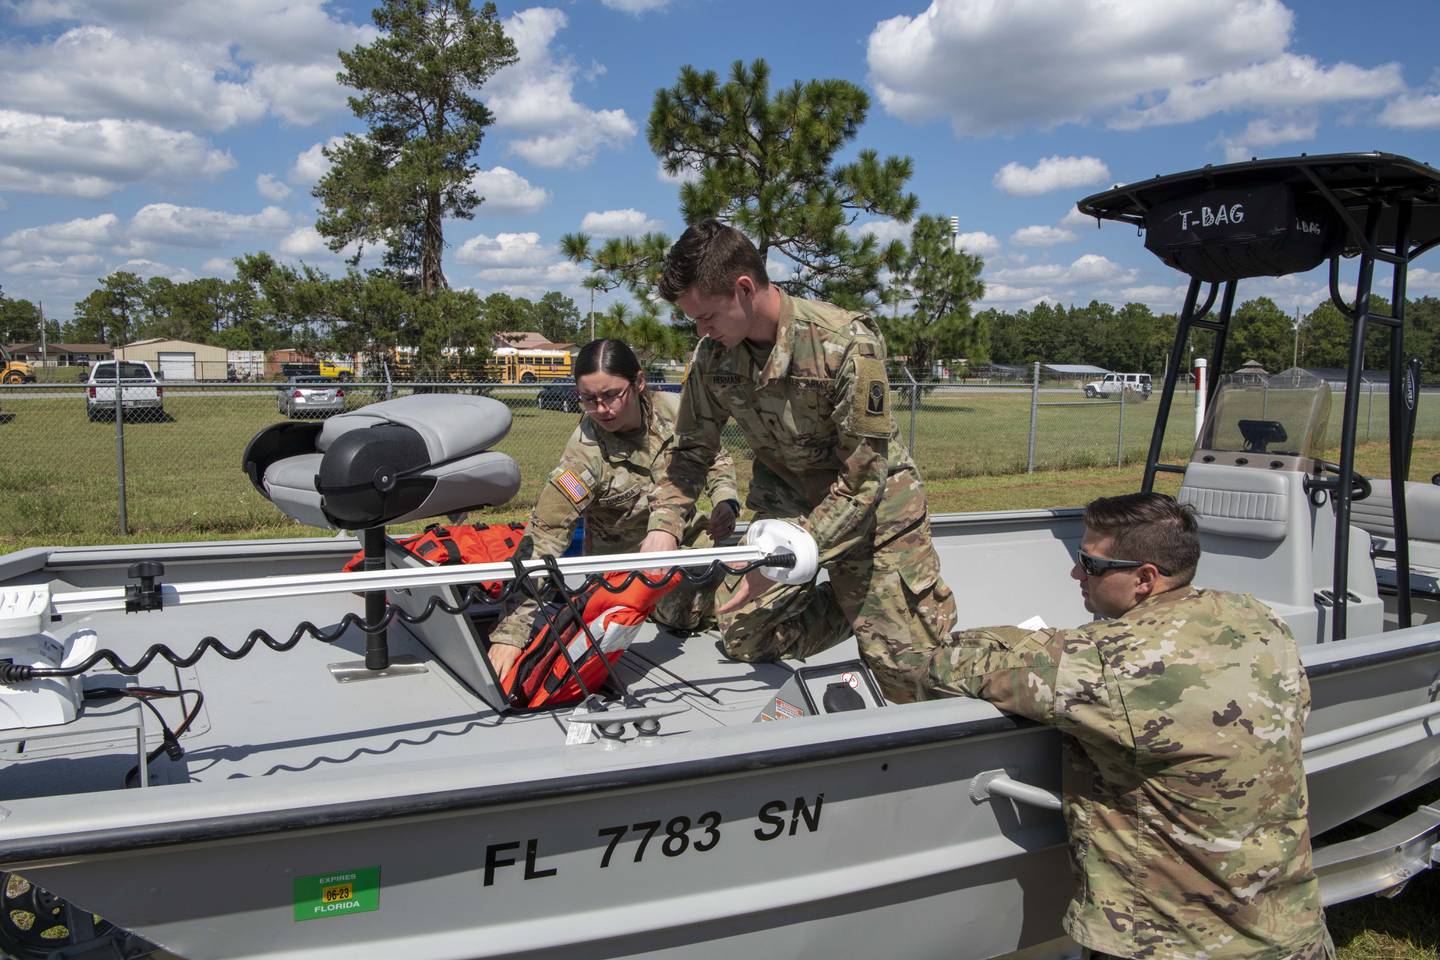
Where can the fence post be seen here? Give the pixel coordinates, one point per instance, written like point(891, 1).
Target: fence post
point(1120, 441)
point(120, 448)
point(1034, 415)
point(389, 387)
point(914, 402)
point(1370, 411)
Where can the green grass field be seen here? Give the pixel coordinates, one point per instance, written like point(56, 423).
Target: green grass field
point(183, 477)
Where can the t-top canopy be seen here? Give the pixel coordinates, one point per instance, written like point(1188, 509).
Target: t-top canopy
point(1341, 186)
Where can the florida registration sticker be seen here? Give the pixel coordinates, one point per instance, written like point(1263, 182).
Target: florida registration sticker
point(337, 894)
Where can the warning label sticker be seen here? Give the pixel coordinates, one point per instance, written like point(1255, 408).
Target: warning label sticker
point(789, 711)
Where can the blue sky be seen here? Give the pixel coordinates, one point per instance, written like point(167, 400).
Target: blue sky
point(168, 137)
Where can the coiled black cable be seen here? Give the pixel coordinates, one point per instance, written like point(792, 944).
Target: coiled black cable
point(20, 673)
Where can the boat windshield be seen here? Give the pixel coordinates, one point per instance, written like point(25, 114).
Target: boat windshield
point(1280, 414)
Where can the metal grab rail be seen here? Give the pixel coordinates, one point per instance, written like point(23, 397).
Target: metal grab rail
point(1000, 783)
point(993, 783)
point(1354, 731)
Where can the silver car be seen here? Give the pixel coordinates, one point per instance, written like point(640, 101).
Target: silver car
point(310, 397)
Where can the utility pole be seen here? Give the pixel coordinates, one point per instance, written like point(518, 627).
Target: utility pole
point(1295, 357)
point(592, 313)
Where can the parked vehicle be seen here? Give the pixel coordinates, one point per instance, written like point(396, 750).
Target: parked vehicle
point(310, 397)
point(559, 396)
point(14, 371)
point(1116, 383)
point(140, 390)
point(336, 370)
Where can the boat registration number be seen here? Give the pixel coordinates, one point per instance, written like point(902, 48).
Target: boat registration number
point(631, 843)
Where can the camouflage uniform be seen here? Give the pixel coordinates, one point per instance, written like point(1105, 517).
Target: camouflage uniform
point(828, 455)
point(1184, 791)
point(607, 478)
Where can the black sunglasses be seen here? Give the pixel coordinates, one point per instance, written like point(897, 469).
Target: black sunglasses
point(1098, 566)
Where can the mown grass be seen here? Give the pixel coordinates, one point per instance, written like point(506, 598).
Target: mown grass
point(183, 476)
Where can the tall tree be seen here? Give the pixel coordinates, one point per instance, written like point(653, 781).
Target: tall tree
point(396, 184)
point(939, 283)
point(1260, 331)
point(766, 164)
point(111, 313)
point(20, 321)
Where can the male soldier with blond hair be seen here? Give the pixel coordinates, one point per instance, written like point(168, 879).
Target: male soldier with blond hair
point(1183, 709)
point(805, 381)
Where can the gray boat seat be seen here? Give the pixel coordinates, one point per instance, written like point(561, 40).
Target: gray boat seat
point(1422, 513)
point(1260, 534)
point(391, 462)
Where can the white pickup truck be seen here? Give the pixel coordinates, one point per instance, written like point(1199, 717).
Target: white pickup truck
point(140, 391)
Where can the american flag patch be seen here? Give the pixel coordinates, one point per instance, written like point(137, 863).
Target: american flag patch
point(572, 486)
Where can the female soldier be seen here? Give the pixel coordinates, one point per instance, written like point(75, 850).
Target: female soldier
point(615, 457)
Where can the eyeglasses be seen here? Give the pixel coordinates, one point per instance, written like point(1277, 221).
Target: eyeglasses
point(1099, 566)
point(609, 399)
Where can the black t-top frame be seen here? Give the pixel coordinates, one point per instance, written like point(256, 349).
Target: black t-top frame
point(1389, 207)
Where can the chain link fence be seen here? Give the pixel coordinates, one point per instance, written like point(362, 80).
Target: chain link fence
point(65, 462)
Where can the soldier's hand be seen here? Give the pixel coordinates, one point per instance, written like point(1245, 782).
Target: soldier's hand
point(750, 586)
point(503, 657)
point(658, 541)
point(722, 521)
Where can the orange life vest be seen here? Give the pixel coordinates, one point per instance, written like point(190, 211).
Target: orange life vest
point(542, 677)
point(463, 543)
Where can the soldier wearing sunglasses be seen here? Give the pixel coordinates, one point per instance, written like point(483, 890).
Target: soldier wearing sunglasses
point(1183, 710)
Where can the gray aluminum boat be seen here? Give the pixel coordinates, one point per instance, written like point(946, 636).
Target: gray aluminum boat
point(367, 791)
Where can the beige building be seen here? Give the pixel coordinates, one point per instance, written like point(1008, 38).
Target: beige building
point(177, 359)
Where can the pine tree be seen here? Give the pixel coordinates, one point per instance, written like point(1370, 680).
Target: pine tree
point(766, 165)
point(939, 283)
point(416, 84)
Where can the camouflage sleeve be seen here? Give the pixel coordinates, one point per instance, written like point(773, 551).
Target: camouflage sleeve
point(1011, 667)
point(721, 484)
point(864, 425)
point(696, 448)
point(567, 492)
point(1054, 677)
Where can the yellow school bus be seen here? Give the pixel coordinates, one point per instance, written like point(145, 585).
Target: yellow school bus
point(514, 365)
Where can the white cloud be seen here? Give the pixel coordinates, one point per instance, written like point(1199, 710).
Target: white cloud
point(535, 99)
point(989, 66)
point(683, 175)
point(300, 93)
point(310, 165)
point(271, 188)
point(979, 243)
point(93, 73)
point(86, 265)
point(1074, 218)
point(1412, 111)
point(1155, 295)
point(307, 243)
point(83, 235)
point(1020, 298)
point(886, 231)
point(635, 7)
point(45, 154)
point(287, 31)
point(198, 227)
point(505, 191)
point(1286, 82)
point(1051, 173)
point(505, 250)
point(1040, 236)
point(619, 223)
point(146, 269)
point(1089, 269)
point(219, 267)
point(1265, 132)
